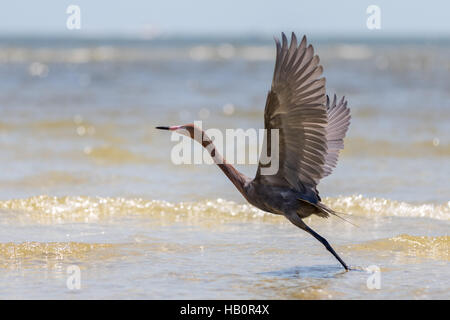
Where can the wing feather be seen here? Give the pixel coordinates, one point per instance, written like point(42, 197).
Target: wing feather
point(338, 123)
point(296, 107)
point(311, 129)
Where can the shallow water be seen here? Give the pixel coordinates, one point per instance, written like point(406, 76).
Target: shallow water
point(88, 181)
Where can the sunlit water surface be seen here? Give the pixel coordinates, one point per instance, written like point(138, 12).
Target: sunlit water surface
point(86, 180)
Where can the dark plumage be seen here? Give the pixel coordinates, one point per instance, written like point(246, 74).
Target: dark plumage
point(311, 133)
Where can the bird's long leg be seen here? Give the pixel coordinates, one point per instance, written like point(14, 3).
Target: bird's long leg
point(326, 244)
point(299, 223)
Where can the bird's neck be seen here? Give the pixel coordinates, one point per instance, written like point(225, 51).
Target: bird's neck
point(234, 175)
point(237, 178)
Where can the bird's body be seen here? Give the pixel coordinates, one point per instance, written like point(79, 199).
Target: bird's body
point(282, 200)
point(311, 132)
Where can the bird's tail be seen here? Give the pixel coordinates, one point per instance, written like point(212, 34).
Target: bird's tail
point(326, 211)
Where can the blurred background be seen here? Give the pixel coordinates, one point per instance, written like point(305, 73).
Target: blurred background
point(80, 155)
point(79, 106)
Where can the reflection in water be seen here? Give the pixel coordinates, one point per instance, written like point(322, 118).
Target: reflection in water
point(302, 282)
point(307, 272)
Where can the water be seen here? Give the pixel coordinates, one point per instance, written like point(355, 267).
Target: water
point(86, 180)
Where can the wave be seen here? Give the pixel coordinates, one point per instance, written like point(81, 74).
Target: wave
point(47, 209)
point(394, 57)
point(33, 254)
point(52, 254)
point(378, 207)
point(408, 245)
point(82, 55)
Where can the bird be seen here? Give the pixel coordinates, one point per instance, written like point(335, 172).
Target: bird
point(311, 129)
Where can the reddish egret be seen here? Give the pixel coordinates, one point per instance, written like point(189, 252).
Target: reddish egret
point(311, 133)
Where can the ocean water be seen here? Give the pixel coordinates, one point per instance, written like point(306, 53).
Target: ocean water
point(87, 181)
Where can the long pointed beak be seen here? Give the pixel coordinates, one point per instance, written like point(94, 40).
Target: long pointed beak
point(173, 128)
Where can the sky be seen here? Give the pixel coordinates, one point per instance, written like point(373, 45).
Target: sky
point(346, 17)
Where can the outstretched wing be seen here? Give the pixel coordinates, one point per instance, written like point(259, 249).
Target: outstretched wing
point(338, 123)
point(296, 107)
